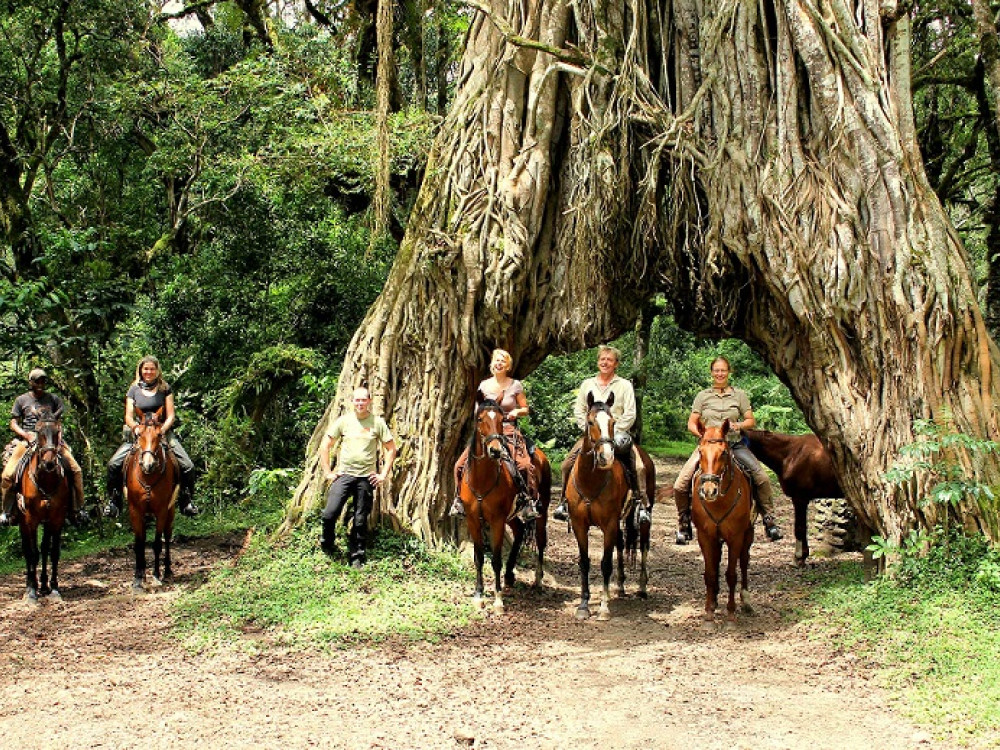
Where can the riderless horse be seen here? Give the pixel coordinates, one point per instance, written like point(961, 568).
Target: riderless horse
point(151, 488)
point(488, 490)
point(805, 470)
point(721, 510)
point(45, 494)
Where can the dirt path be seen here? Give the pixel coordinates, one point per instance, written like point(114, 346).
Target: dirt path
point(99, 669)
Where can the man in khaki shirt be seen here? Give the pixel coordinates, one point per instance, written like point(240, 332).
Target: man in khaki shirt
point(713, 406)
point(357, 437)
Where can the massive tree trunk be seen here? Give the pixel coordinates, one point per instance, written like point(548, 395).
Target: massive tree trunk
point(756, 161)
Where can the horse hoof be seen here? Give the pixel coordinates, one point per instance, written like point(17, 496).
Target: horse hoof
point(31, 596)
point(538, 579)
point(478, 602)
point(643, 594)
point(55, 596)
point(582, 613)
point(137, 587)
point(729, 624)
point(498, 608)
point(604, 615)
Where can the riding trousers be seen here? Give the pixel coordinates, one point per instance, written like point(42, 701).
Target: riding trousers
point(184, 462)
point(344, 487)
point(10, 472)
point(747, 461)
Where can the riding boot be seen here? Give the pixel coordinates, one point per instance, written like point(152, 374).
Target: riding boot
point(328, 539)
point(9, 506)
point(683, 500)
point(765, 504)
point(114, 506)
point(561, 512)
point(188, 508)
point(771, 527)
point(79, 516)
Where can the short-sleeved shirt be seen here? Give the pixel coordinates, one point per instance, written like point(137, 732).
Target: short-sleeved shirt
point(507, 398)
point(27, 408)
point(716, 407)
point(359, 441)
point(148, 404)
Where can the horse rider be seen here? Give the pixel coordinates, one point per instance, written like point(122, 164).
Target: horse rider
point(150, 393)
point(509, 393)
point(713, 406)
point(28, 409)
point(602, 385)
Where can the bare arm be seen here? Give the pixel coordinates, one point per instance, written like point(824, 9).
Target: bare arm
point(325, 449)
point(522, 409)
point(169, 409)
point(23, 434)
point(130, 414)
point(748, 422)
point(692, 425)
point(390, 457)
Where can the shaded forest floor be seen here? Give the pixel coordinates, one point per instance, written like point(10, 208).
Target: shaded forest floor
point(99, 669)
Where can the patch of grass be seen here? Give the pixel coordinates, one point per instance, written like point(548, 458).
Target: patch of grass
point(116, 533)
point(933, 630)
point(669, 448)
point(288, 593)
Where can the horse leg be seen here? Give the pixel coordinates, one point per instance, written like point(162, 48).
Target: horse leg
point(583, 610)
point(515, 550)
point(711, 553)
point(643, 552)
point(541, 540)
point(801, 506)
point(43, 553)
point(496, 559)
point(29, 548)
point(612, 540)
point(139, 547)
point(733, 556)
point(744, 578)
point(479, 553)
point(620, 547)
point(157, 550)
point(168, 571)
point(55, 552)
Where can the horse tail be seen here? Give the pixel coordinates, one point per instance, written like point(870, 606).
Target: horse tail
point(631, 540)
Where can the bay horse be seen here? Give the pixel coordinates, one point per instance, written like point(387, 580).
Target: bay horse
point(151, 488)
point(488, 490)
point(45, 492)
point(805, 471)
point(722, 511)
point(595, 495)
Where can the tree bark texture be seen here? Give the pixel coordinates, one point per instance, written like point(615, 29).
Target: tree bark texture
point(754, 160)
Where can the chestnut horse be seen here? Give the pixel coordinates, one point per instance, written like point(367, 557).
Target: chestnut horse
point(805, 471)
point(722, 512)
point(595, 495)
point(151, 488)
point(45, 491)
point(488, 489)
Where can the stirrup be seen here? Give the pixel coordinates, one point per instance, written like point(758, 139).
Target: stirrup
point(772, 530)
point(190, 510)
point(526, 512)
point(6, 520)
point(561, 513)
point(111, 510)
point(642, 515)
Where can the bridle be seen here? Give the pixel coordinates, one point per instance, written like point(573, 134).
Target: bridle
point(488, 439)
point(47, 466)
point(720, 480)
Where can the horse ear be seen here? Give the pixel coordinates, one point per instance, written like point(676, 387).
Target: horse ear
point(590, 399)
point(480, 397)
point(611, 399)
point(701, 427)
point(725, 428)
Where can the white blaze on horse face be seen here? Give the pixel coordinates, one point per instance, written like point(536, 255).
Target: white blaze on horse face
point(495, 447)
point(606, 454)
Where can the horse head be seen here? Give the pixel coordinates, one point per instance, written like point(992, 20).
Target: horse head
point(598, 436)
point(489, 427)
point(48, 431)
point(148, 442)
point(715, 459)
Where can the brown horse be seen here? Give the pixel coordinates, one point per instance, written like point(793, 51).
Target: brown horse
point(488, 490)
point(595, 494)
point(722, 512)
point(151, 488)
point(805, 470)
point(45, 491)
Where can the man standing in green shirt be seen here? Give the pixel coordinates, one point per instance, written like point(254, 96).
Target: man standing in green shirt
point(357, 436)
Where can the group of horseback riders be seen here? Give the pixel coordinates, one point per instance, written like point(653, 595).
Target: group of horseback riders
point(712, 407)
point(149, 393)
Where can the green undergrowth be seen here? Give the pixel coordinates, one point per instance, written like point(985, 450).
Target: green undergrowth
point(932, 629)
point(288, 594)
point(105, 534)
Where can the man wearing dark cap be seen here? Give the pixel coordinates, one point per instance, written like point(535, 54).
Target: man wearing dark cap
point(25, 414)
